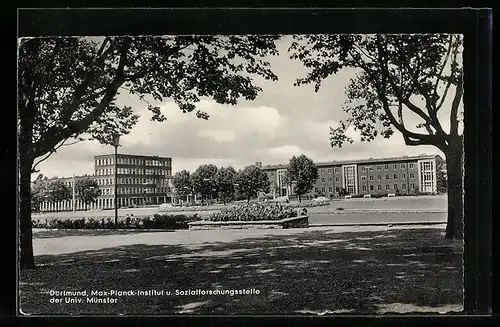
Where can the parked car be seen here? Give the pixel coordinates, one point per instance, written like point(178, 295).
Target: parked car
point(165, 207)
point(320, 200)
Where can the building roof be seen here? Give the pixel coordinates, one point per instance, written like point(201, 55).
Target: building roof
point(359, 161)
point(130, 156)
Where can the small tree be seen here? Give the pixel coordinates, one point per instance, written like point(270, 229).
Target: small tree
point(182, 183)
point(204, 182)
point(87, 190)
point(251, 180)
point(57, 191)
point(302, 172)
point(39, 192)
point(225, 180)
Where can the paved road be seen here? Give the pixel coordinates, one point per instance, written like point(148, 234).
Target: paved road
point(332, 218)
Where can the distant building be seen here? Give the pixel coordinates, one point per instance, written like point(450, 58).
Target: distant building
point(405, 175)
point(140, 180)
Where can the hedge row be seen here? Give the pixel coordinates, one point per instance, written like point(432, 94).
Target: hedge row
point(255, 212)
point(155, 222)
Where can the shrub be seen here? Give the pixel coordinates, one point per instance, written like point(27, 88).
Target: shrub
point(254, 212)
point(156, 222)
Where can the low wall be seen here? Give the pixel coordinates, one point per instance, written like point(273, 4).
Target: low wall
point(294, 222)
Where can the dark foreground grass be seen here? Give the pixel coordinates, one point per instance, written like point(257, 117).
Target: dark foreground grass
point(314, 271)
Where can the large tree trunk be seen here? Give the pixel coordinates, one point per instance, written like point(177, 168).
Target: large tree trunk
point(26, 258)
point(455, 223)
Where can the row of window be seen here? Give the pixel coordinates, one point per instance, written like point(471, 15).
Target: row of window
point(135, 190)
point(131, 161)
point(133, 171)
point(388, 187)
point(363, 178)
point(329, 170)
point(386, 167)
point(395, 176)
point(122, 180)
point(363, 169)
point(379, 188)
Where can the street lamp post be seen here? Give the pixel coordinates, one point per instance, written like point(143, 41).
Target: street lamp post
point(116, 144)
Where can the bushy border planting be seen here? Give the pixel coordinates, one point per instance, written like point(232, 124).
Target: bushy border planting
point(256, 212)
point(157, 221)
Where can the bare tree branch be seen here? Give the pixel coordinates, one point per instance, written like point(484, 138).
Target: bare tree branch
point(450, 79)
point(454, 106)
point(444, 64)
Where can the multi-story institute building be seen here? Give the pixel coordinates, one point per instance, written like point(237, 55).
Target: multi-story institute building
point(140, 180)
point(406, 174)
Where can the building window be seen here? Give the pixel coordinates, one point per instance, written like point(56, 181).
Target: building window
point(371, 187)
point(387, 187)
point(395, 176)
point(386, 176)
point(364, 188)
point(403, 186)
point(386, 167)
point(379, 187)
point(378, 167)
point(379, 177)
point(330, 189)
point(371, 168)
point(322, 171)
point(403, 166)
point(363, 178)
point(323, 189)
point(330, 180)
point(371, 178)
point(336, 170)
point(403, 176)
point(412, 176)
point(329, 170)
point(363, 169)
point(336, 179)
point(412, 186)
point(395, 186)
point(322, 180)
point(411, 166)
point(394, 166)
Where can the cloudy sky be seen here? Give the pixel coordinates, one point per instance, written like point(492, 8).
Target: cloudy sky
point(283, 121)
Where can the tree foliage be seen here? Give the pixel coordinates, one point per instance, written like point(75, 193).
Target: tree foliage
point(38, 191)
point(57, 191)
point(251, 180)
point(392, 72)
point(204, 180)
point(68, 86)
point(182, 183)
point(398, 77)
point(87, 190)
point(303, 173)
point(225, 180)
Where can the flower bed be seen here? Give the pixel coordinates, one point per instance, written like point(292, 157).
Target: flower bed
point(254, 212)
point(155, 222)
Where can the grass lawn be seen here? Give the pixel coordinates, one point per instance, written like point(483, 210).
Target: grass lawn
point(315, 270)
